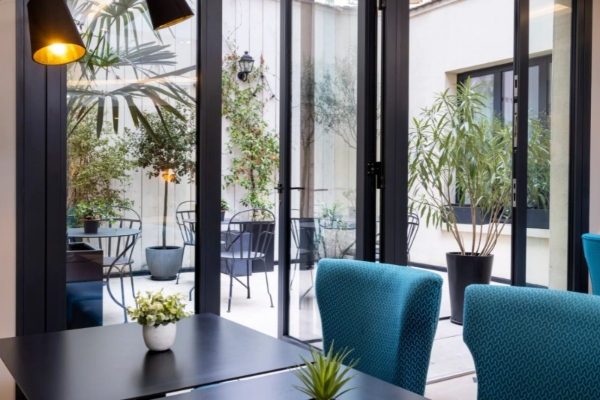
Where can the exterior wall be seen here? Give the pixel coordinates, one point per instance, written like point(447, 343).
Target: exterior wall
point(8, 161)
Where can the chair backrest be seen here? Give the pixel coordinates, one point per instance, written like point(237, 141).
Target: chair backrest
point(184, 214)
point(250, 233)
point(591, 249)
point(306, 238)
point(533, 343)
point(387, 314)
point(130, 219)
point(413, 228)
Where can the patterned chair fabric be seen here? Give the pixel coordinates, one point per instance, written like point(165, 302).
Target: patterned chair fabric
point(387, 314)
point(591, 249)
point(533, 343)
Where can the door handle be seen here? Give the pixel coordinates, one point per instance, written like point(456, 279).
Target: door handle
point(279, 188)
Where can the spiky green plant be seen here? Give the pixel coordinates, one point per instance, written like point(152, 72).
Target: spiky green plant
point(325, 376)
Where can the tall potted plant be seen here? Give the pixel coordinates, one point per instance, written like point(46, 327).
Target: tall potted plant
point(458, 157)
point(165, 149)
point(538, 174)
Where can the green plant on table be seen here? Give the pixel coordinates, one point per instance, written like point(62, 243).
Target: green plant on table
point(98, 168)
point(155, 309)
point(325, 376)
point(95, 210)
point(224, 205)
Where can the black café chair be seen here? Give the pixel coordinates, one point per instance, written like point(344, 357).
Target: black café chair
point(185, 217)
point(115, 249)
point(306, 237)
point(248, 237)
point(411, 234)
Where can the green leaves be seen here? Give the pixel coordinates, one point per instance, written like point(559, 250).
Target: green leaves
point(459, 157)
point(165, 143)
point(154, 308)
point(325, 376)
point(254, 146)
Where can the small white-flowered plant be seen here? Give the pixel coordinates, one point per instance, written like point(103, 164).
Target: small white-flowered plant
point(156, 309)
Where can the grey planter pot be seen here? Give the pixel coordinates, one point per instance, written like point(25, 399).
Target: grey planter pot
point(164, 263)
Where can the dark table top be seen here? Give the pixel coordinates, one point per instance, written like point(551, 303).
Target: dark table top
point(112, 362)
point(102, 233)
point(280, 387)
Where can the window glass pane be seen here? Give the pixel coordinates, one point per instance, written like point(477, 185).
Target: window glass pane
point(131, 161)
point(508, 96)
point(324, 141)
point(250, 163)
point(485, 86)
point(549, 143)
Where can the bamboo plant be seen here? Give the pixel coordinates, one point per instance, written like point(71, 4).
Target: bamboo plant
point(459, 157)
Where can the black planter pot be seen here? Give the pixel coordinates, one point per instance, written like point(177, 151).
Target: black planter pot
point(222, 215)
point(464, 271)
point(91, 225)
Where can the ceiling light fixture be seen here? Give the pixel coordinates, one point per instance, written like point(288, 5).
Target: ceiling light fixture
point(54, 37)
point(166, 13)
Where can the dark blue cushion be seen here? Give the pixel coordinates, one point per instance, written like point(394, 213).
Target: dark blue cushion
point(533, 343)
point(87, 313)
point(387, 314)
point(80, 291)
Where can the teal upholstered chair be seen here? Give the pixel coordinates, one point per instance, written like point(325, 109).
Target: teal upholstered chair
point(533, 343)
point(591, 249)
point(387, 314)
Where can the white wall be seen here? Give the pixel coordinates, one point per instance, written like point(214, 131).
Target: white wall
point(8, 183)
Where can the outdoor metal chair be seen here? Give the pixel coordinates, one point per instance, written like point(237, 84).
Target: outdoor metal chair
point(114, 247)
point(248, 237)
point(411, 234)
point(185, 217)
point(306, 238)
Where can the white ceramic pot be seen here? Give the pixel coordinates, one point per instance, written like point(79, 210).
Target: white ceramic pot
point(161, 337)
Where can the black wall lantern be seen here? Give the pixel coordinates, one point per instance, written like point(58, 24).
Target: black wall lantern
point(54, 37)
point(166, 13)
point(246, 66)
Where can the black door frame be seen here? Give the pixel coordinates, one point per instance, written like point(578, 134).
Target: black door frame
point(366, 147)
point(41, 177)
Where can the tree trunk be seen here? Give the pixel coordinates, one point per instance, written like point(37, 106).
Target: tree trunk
point(164, 228)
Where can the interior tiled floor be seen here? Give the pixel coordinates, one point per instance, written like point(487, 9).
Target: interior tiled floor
point(450, 355)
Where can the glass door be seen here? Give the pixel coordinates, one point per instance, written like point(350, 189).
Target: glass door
point(131, 162)
point(328, 207)
point(548, 157)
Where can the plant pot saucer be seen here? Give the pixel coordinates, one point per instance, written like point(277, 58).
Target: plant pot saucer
point(161, 279)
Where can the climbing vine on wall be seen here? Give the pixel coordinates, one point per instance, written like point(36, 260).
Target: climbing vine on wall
point(255, 148)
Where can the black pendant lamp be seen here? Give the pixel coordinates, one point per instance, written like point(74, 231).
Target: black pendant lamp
point(166, 13)
point(55, 39)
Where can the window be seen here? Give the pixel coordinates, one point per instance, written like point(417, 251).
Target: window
point(496, 84)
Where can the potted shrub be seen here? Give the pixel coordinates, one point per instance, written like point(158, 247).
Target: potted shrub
point(165, 151)
point(224, 209)
point(158, 315)
point(456, 153)
point(538, 174)
point(324, 377)
point(91, 213)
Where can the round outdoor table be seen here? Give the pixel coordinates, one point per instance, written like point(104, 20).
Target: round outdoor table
point(108, 233)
